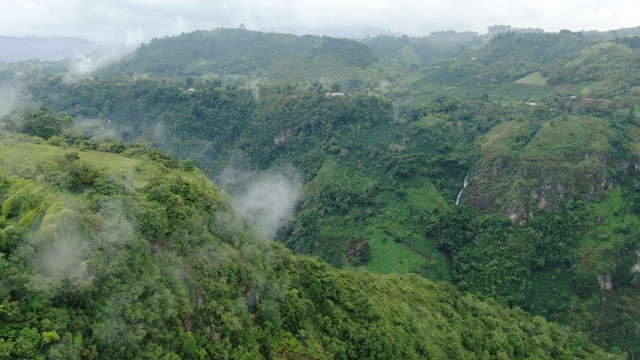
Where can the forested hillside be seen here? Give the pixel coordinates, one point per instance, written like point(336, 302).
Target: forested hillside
point(136, 255)
point(246, 54)
point(507, 170)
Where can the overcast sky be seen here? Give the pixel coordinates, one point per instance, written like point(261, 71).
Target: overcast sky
point(135, 21)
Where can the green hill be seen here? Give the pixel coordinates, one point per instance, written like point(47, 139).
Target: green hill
point(249, 54)
point(135, 255)
point(578, 64)
point(419, 51)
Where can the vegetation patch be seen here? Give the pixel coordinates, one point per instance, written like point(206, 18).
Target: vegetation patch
point(534, 79)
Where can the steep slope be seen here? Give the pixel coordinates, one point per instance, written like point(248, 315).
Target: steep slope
point(123, 256)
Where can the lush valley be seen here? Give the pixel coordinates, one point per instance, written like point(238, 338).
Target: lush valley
point(136, 255)
point(382, 134)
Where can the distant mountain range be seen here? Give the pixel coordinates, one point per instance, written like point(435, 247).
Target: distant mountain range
point(31, 48)
point(349, 32)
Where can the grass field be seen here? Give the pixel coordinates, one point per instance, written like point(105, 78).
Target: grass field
point(423, 193)
point(570, 137)
point(396, 247)
point(23, 153)
point(389, 256)
point(466, 82)
point(619, 215)
point(535, 79)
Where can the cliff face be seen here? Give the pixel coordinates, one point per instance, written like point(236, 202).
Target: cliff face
point(525, 167)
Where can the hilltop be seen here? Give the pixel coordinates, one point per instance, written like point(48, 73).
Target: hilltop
point(246, 54)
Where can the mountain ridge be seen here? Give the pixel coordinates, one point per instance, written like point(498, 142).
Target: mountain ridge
point(15, 49)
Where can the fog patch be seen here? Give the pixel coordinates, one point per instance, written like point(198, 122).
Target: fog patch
point(255, 90)
point(400, 107)
point(85, 64)
point(64, 246)
point(236, 179)
point(117, 228)
point(267, 198)
point(61, 255)
point(97, 129)
point(385, 86)
point(12, 96)
point(157, 130)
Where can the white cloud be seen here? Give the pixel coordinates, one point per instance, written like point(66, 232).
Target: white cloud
point(117, 19)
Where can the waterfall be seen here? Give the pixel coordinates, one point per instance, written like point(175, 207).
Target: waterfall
point(464, 186)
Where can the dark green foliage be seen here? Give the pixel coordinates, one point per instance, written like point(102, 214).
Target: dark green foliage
point(150, 273)
point(353, 54)
point(36, 121)
point(495, 257)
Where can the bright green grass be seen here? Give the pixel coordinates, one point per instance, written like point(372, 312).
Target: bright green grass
point(387, 231)
point(569, 137)
point(617, 213)
point(325, 68)
point(501, 134)
point(495, 143)
point(390, 257)
point(512, 93)
point(535, 79)
point(23, 153)
point(423, 193)
point(597, 50)
point(408, 56)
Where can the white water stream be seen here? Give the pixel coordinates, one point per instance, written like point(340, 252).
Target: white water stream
point(466, 182)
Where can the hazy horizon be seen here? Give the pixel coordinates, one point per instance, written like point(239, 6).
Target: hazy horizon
point(135, 21)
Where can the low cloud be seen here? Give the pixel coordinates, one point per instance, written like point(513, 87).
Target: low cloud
point(97, 129)
point(268, 198)
point(61, 253)
point(63, 250)
point(12, 96)
point(85, 64)
point(255, 89)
